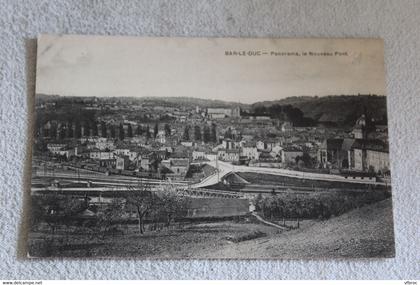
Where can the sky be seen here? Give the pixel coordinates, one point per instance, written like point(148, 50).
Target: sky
point(205, 68)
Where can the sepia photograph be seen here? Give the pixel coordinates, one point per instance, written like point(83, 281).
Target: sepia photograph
point(210, 148)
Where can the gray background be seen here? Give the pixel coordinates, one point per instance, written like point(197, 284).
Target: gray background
point(397, 22)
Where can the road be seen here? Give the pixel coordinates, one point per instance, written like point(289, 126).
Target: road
point(259, 218)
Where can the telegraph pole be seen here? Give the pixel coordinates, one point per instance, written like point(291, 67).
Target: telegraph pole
point(217, 168)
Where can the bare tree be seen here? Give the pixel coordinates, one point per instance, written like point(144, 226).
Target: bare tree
point(164, 201)
point(143, 200)
point(173, 203)
point(110, 216)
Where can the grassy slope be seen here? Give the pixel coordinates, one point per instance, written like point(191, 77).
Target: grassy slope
point(174, 243)
point(364, 232)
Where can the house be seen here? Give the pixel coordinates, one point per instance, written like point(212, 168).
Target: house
point(187, 143)
point(108, 163)
point(231, 155)
point(55, 147)
point(122, 150)
point(211, 156)
point(230, 144)
point(65, 151)
point(265, 155)
point(276, 151)
point(148, 162)
point(334, 153)
point(261, 145)
point(104, 143)
point(220, 113)
point(122, 162)
point(167, 148)
point(160, 154)
point(199, 153)
point(182, 153)
point(271, 143)
point(369, 155)
point(289, 154)
point(79, 150)
point(161, 137)
point(286, 127)
point(179, 166)
point(359, 129)
point(139, 140)
point(136, 153)
point(250, 151)
point(99, 154)
point(377, 160)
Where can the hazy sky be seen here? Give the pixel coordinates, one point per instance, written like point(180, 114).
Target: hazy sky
point(199, 67)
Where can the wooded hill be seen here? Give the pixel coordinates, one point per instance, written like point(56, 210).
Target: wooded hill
point(341, 110)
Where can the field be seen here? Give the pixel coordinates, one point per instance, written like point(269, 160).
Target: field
point(126, 242)
point(364, 232)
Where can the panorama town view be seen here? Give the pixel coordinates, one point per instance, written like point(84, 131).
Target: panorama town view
point(184, 177)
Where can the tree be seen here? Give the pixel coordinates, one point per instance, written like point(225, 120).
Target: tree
point(167, 130)
point(213, 136)
point(95, 129)
point(206, 134)
point(172, 203)
point(112, 131)
point(53, 131)
point(103, 130)
point(55, 209)
point(186, 135)
point(70, 133)
point(86, 130)
point(156, 130)
point(228, 133)
point(121, 132)
point(139, 130)
point(165, 201)
point(111, 215)
point(129, 131)
point(258, 200)
point(304, 160)
point(143, 200)
point(78, 130)
point(62, 132)
point(197, 133)
point(148, 135)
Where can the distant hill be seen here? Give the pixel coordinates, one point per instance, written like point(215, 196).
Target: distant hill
point(160, 101)
point(188, 101)
point(338, 109)
point(341, 109)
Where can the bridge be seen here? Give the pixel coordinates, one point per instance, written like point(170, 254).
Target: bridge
point(224, 169)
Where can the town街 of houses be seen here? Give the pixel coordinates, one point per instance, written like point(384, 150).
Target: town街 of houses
point(178, 143)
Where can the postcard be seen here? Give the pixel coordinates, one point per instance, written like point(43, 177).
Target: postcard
point(210, 148)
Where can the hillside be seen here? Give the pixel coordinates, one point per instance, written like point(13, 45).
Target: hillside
point(365, 232)
point(340, 109)
point(343, 109)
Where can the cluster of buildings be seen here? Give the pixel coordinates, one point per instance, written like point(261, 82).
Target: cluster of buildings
point(365, 151)
point(241, 139)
